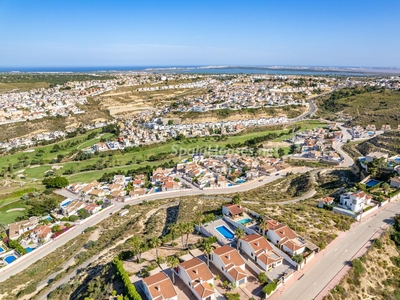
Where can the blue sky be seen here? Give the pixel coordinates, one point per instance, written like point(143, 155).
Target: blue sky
point(166, 33)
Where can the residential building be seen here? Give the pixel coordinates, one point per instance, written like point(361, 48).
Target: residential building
point(18, 228)
point(196, 275)
point(355, 201)
point(232, 210)
point(258, 249)
point(159, 286)
point(230, 263)
point(285, 238)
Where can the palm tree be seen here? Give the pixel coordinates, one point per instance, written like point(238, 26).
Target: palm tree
point(263, 226)
point(138, 247)
point(239, 233)
point(199, 220)
point(187, 229)
point(173, 262)
point(173, 228)
point(207, 251)
point(181, 231)
point(156, 243)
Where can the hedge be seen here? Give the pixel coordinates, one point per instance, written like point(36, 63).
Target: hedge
point(270, 287)
point(129, 287)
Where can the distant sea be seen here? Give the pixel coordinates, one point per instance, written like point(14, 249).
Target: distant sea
point(317, 71)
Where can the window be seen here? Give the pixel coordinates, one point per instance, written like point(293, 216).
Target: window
point(251, 254)
point(222, 268)
point(242, 281)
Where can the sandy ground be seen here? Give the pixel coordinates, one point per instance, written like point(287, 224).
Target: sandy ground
point(15, 209)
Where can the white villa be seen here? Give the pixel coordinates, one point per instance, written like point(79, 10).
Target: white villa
point(285, 238)
point(258, 249)
point(196, 275)
point(355, 201)
point(159, 286)
point(229, 261)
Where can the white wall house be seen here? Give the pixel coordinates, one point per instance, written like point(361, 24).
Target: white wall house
point(258, 249)
point(158, 286)
point(229, 262)
point(232, 210)
point(285, 238)
point(355, 201)
point(196, 275)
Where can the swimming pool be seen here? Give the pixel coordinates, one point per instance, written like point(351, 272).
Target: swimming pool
point(372, 182)
point(1, 250)
point(9, 259)
point(48, 218)
point(240, 181)
point(66, 203)
point(244, 221)
point(225, 232)
point(29, 249)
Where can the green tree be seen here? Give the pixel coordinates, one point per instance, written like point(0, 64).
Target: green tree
point(187, 229)
point(298, 258)
point(138, 247)
point(281, 152)
point(207, 251)
point(57, 182)
point(263, 225)
point(239, 233)
point(262, 277)
point(236, 199)
point(199, 220)
point(173, 262)
point(156, 243)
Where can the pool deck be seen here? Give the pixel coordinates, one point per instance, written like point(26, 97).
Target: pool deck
point(211, 228)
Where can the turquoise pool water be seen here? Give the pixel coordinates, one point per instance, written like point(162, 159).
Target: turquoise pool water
point(240, 181)
point(244, 221)
point(9, 259)
point(29, 249)
point(225, 232)
point(1, 250)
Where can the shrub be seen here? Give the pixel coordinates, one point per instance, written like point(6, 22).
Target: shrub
point(262, 277)
point(396, 260)
point(270, 287)
point(358, 267)
point(377, 243)
point(298, 258)
point(232, 296)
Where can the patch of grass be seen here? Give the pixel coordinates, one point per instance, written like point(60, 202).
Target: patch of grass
point(9, 217)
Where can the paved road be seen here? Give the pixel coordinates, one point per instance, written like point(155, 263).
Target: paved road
point(41, 252)
point(322, 272)
point(19, 266)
